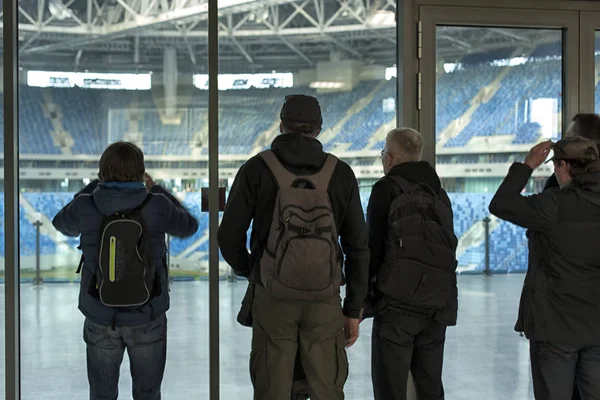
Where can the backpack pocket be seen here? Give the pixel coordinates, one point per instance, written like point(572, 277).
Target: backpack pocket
point(415, 283)
point(304, 263)
point(124, 279)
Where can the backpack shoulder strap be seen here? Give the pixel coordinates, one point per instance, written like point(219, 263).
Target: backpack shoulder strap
point(283, 177)
point(408, 187)
point(145, 202)
point(322, 178)
point(400, 184)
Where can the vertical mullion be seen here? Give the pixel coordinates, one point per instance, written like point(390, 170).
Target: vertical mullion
point(213, 196)
point(587, 61)
point(11, 201)
point(571, 73)
point(427, 69)
point(408, 63)
point(399, 63)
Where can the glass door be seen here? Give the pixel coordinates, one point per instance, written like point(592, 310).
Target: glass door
point(590, 61)
point(493, 83)
point(136, 90)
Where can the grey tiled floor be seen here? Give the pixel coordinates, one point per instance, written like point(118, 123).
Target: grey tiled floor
point(485, 358)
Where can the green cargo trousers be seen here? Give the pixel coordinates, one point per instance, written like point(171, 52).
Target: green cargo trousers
point(281, 330)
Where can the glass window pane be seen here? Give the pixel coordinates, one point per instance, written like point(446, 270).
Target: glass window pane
point(2, 264)
point(597, 70)
point(81, 91)
point(496, 97)
point(351, 70)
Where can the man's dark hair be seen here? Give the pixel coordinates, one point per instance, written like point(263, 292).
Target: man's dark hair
point(582, 167)
point(122, 162)
point(302, 128)
point(587, 126)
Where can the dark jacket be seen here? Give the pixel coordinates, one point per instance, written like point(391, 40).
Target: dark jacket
point(252, 199)
point(551, 183)
point(561, 296)
point(382, 196)
point(163, 214)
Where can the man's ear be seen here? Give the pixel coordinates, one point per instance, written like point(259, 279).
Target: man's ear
point(281, 127)
point(564, 165)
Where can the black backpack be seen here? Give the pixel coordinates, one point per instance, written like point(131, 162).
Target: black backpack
point(125, 274)
point(420, 261)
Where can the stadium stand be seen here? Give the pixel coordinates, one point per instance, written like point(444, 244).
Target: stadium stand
point(95, 117)
point(469, 209)
point(496, 99)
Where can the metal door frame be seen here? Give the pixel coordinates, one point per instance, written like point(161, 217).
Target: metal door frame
point(432, 16)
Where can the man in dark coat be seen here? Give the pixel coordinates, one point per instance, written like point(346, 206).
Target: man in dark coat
point(587, 126)
point(282, 330)
point(407, 336)
point(560, 304)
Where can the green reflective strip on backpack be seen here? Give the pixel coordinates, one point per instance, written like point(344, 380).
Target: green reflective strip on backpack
point(112, 259)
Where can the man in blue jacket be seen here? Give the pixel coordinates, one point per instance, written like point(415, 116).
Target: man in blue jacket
point(142, 330)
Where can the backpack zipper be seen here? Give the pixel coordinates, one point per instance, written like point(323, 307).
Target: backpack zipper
point(306, 210)
point(305, 220)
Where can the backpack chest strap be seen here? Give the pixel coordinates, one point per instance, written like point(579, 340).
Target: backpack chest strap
point(309, 231)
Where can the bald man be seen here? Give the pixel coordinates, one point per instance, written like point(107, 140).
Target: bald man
point(412, 270)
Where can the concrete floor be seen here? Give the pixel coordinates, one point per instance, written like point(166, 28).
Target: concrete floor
point(485, 358)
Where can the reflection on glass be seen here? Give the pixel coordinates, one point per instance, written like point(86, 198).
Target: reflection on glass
point(351, 70)
point(498, 93)
point(597, 72)
point(2, 264)
point(492, 106)
point(74, 101)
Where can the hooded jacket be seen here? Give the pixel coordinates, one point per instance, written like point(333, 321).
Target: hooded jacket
point(560, 301)
point(252, 200)
point(163, 214)
point(378, 211)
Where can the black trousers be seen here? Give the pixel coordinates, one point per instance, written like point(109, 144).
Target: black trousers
point(556, 368)
point(407, 343)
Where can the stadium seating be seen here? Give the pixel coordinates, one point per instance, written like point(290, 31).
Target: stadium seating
point(507, 242)
point(81, 118)
point(455, 92)
point(34, 127)
point(96, 117)
point(505, 112)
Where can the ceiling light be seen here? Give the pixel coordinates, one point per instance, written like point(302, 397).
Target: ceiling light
point(382, 18)
point(326, 85)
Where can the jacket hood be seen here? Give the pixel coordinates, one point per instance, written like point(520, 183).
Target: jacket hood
point(588, 187)
point(114, 197)
point(418, 172)
point(299, 151)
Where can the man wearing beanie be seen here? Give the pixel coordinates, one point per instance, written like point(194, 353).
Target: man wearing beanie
point(303, 204)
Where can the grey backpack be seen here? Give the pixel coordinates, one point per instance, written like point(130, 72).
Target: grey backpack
point(302, 261)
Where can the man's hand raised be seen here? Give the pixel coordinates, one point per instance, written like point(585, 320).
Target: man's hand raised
point(538, 154)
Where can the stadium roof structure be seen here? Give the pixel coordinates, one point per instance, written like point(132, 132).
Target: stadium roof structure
point(255, 35)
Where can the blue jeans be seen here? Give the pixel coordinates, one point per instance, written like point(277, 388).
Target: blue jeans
point(147, 349)
point(555, 368)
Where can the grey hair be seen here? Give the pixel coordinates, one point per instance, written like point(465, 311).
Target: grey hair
point(407, 143)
